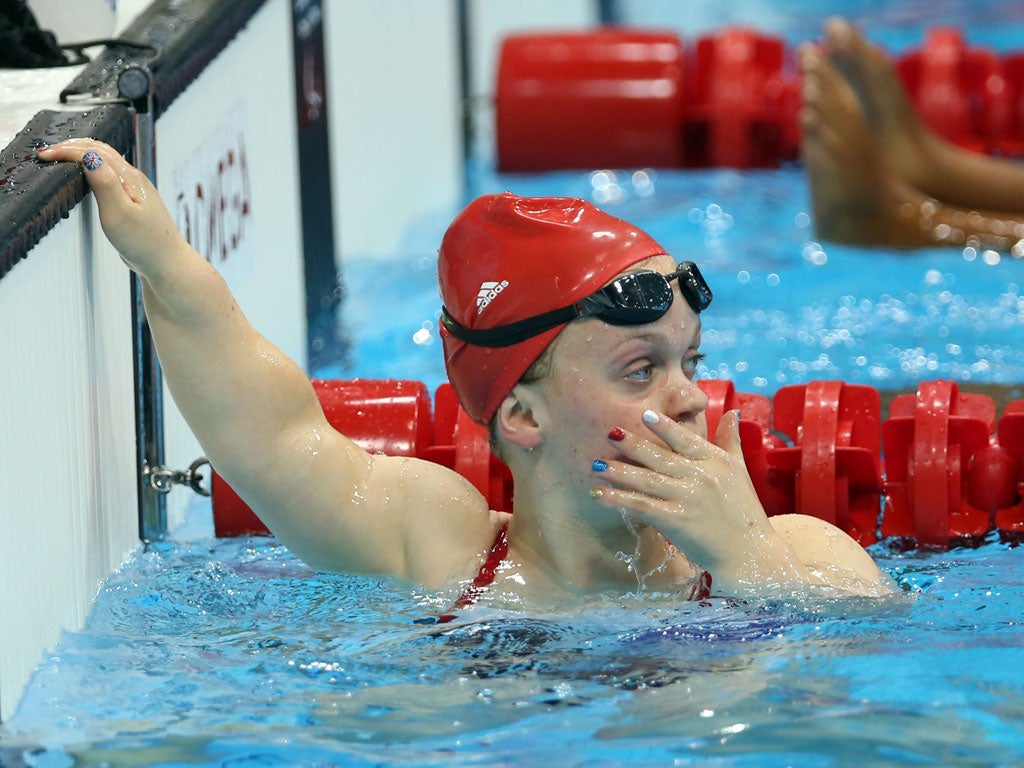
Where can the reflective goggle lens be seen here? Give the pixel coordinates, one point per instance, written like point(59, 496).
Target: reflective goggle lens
point(635, 299)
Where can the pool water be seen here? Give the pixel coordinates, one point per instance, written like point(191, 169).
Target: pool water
point(787, 308)
point(233, 653)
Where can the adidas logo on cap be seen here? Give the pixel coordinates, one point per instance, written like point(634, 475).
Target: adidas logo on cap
point(488, 292)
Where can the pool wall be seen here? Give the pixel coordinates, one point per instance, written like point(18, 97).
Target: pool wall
point(68, 499)
point(226, 165)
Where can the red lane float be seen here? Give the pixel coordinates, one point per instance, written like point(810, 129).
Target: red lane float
point(756, 436)
point(931, 440)
point(464, 446)
point(1009, 517)
point(950, 477)
point(738, 103)
point(960, 91)
point(831, 468)
point(609, 98)
point(1011, 141)
point(382, 416)
point(619, 97)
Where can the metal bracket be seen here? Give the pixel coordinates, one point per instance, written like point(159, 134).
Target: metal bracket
point(135, 84)
point(163, 479)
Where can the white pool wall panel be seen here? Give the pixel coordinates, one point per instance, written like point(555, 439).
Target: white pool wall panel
point(396, 107)
point(68, 511)
point(68, 506)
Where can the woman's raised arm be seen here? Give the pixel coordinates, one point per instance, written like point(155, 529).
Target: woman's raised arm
point(257, 417)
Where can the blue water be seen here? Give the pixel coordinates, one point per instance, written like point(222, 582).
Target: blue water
point(895, 24)
point(787, 308)
point(232, 653)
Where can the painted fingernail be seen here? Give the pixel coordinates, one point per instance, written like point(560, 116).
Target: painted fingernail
point(91, 160)
point(616, 434)
point(650, 417)
point(599, 466)
point(596, 493)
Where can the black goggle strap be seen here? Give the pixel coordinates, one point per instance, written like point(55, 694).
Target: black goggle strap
point(597, 303)
point(601, 303)
point(513, 333)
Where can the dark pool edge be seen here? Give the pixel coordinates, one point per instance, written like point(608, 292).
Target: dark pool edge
point(37, 195)
point(176, 41)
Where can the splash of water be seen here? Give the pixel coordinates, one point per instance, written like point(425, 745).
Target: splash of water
point(632, 560)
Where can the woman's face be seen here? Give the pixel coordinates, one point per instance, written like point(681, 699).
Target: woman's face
point(605, 376)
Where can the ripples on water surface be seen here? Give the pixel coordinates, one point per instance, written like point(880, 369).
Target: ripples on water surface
point(233, 653)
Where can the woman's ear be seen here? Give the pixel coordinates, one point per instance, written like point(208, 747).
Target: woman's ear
point(517, 418)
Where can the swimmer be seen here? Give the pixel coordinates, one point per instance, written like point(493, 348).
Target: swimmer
point(599, 417)
point(878, 174)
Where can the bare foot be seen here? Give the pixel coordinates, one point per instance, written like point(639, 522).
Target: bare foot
point(915, 154)
point(879, 175)
point(855, 195)
point(903, 141)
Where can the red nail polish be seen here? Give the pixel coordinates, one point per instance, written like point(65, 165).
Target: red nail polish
point(616, 434)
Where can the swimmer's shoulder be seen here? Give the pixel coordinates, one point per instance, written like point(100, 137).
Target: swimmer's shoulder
point(823, 547)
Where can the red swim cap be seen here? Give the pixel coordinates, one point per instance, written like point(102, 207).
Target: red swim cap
point(506, 258)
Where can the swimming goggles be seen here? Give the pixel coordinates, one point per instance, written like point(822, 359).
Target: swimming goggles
point(636, 298)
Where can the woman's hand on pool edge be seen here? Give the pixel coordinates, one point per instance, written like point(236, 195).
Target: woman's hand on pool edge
point(133, 216)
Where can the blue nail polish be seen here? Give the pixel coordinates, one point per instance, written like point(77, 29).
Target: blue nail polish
point(650, 417)
point(599, 466)
point(91, 160)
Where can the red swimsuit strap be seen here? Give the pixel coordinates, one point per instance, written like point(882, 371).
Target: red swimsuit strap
point(701, 589)
point(485, 576)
